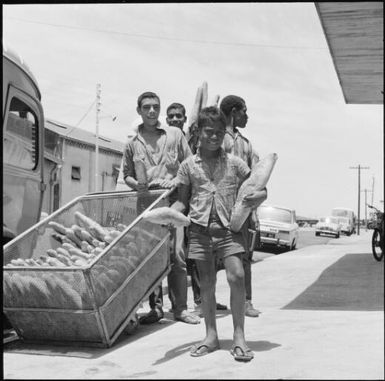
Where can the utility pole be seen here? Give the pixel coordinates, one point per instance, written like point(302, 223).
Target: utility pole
point(98, 103)
point(359, 191)
point(366, 206)
point(372, 189)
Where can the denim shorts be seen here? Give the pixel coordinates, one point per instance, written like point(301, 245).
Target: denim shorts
point(213, 242)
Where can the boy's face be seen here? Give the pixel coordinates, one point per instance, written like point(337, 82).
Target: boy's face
point(175, 117)
point(240, 117)
point(211, 137)
point(149, 111)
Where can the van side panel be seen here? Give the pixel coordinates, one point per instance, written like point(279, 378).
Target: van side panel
point(23, 184)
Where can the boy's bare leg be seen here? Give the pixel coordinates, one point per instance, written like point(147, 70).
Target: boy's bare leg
point(208, 278)
point(235, 278)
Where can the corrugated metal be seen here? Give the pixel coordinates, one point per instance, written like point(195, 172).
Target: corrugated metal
point(355, 35)
point(83, 136)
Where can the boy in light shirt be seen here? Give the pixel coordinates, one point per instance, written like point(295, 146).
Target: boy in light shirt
point(208, 183)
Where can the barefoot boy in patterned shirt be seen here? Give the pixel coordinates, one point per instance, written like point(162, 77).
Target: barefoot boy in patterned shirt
point(213, 177)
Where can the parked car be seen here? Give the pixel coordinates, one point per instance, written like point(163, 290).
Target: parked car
point(328, 226)
point(278, 226)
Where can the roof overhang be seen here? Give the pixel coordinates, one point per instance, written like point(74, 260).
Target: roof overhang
point(355, 34)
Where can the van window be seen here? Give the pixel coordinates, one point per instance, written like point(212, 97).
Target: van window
point(20, 142)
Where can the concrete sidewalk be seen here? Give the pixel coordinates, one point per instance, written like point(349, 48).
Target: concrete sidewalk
point(302, 333)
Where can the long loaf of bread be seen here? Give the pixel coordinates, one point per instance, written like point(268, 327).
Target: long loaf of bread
point(166, 215)
point(258, 179)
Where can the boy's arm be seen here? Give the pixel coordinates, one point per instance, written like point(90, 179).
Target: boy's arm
point(184, 185)
point(255, 197)
point(183, 198)
point(129, 169)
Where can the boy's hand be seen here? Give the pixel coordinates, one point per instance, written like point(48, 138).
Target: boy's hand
point(253, 200)
point(162, 183)
point(141, 187)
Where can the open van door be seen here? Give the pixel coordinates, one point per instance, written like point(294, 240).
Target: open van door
point(23, 139)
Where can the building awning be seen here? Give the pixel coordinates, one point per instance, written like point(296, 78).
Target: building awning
point(355, 34)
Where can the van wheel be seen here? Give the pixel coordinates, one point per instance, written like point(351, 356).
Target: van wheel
point(293, 245)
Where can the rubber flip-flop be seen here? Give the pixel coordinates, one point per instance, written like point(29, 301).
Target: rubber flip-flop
point(246, 355)
point(194, 352)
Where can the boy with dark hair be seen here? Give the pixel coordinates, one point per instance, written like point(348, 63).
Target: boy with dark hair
point(207, 183)
point(235, 110)
point(176, 115)
point(161, 149)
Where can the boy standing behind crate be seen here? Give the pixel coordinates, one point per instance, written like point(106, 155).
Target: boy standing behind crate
point(161, 149)
point(235, 110)
point(213, 177)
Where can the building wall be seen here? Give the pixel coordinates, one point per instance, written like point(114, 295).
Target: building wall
point(77, 154)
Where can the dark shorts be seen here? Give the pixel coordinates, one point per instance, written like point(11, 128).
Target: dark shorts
point(213, 242)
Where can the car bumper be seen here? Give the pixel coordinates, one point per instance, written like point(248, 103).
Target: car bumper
point(327, 232)
point(274, 241)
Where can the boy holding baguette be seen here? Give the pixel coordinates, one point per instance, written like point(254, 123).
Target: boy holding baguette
point(159, 149)
point(212, 178)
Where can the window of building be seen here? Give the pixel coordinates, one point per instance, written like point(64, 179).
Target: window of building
point(75, 173)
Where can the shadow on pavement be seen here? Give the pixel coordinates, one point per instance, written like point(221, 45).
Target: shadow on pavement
point(354, 283)
point(90, 352)
point(224, 345)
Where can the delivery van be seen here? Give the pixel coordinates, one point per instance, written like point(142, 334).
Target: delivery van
point(23, 147)
point(346, 218)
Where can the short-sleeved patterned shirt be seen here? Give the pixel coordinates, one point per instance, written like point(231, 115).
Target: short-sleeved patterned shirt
point(237, 144)
point(172, 151)
point(212, 189)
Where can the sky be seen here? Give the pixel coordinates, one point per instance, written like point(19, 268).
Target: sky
point(273, 55)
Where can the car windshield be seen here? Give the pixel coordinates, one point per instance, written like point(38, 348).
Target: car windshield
point(274, 214)
point(329, 220)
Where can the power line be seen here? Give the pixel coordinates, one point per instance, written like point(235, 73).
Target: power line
point(169, 38)
point(88, 111)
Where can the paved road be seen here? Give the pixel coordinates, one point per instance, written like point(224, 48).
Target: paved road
point(322, 318)
point(307, 237)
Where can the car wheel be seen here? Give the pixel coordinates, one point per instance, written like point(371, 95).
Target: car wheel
point(293, 245)
point(317, 234)
point(338, 235)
